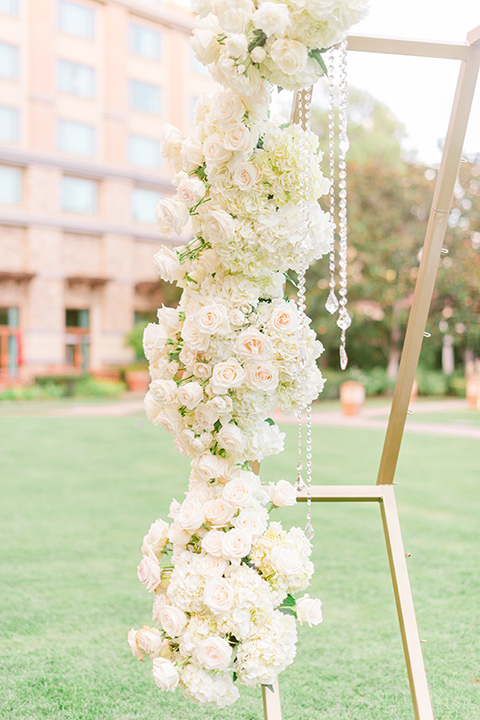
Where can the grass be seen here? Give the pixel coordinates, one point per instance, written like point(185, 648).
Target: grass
point(468, 418)
point(79, 493)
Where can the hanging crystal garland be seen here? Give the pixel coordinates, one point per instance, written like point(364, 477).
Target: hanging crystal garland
point(303, 101)
point(332, 303)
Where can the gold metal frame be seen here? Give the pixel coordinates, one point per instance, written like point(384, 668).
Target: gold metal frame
point(383, 493)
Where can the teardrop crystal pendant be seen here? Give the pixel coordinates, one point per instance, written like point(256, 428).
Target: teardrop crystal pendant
point(299, 485)
point(309, 531)
point(343, 143)
point(332, 303)
point(343, 358)
point(344, 320)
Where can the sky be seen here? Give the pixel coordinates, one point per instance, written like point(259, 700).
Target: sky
point(418, 90)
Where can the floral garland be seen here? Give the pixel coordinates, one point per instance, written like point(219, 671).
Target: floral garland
point(228, 356)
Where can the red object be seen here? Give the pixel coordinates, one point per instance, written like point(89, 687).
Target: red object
point(19, 348)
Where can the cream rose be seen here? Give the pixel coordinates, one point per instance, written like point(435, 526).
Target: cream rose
point(246, 175)
point(171, 143)
point(227, 375)
point(191, 190)
point(236, 45)
point(236, 544)
point(156, 538)
point(164, 391)
point(238, 138)
point(171, 421)
point(150, 640)
point(214, 653)
point(289, 55)
point(154, 338)
point(194, 338)
point(190, 394)
point(285, 561)
point(212, 319)
point(210, 467)
point(206, 416)
point(228, 107)
point(263, 377)
point(159, 602)
point(165, 674)
point(250, 521)
point(172, 620)
point(168, 265)
point(237, 492)
point(190, 515)
point(284, 318)
point(215, 151)
point(217, 225)
point(231, 438)
point(272, 18)
point(168, 319)
point(202, 371)
point(152, 409)
point(309, 610)
point(191, 154)
point(282, 493)
point(218, 512)
point(172, 216)
point(253, 345)
point(212, 542)
point(149, 572)
point(134, 647)
point(211, 566)
point(218, 596)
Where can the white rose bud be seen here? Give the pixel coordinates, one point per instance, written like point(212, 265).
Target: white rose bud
point(282, 493)
point(258, 54)
point(159, 602)
point(172, 216)
point(165, 674)
point(172, 620)
point(168, 319)
point(154, 338)
point(134, 647)
point(168, 265)
point(156, 538)
point(206, 416)
point(214, 653)
point(190, 394)
point(309, 610)
point(149, 572)
point(202, 371)
point(218, 596)
point(171, 143)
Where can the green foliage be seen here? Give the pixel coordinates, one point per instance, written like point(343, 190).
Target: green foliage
point(45, 391)
point(134, 339)
point(55, 388)
point(375, 381)
point(89, 387)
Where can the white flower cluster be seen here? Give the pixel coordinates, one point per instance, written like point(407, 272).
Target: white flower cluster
point(233, 351)
point(249, 42)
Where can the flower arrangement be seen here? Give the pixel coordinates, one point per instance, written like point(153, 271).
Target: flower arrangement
point(223, 576)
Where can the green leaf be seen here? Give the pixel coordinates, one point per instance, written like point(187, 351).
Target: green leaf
point(288, 611)
point(270, 421)
point(290, 280)
point(234, 676)
point(270, 687)
point(289, 601)
point(316, 55)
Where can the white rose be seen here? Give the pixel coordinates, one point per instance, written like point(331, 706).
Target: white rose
point(236, 317)
point(231, 438)
point(193, 336)
point(150, 640)
point(214, 653)
point(284, 318)
point(152, 408)
point(237, 492)
point(190, 394)
point(238, 138)
point(209, 467)
point(134, 647)
point(191, 154)
point(228, 107)
point(165, 674)
point(156, 538)
point(168, 265)
point(171, 142)
point(289, 55)
point(159, 602)
point(282, 493)
point(191, 190)
point(202, 371)
point(154, 338)
point(253, 345)
point(218, 596)
point(168, 318)
point(206, 416)
point(258, 54)
point(227, 375)
point(263, 377)
point(272, 18)
point(212, 319)
point(149, 572)
point(250, 521)
point(162, 369)
point(236, 45)
point(223, 405)
point(177, 536)
point(204, 40)
point(171, 421)
point(234, 18)
point(217, 225)
point(211, 566)
point(172, 620)
point(164, 391)
point(285, 561)
point(212, 543)
point(190, 515)
point(246, 175)
point(309, 610)
point(236, 544)
point(172, 216)
point(215, 152)
point(218, 512)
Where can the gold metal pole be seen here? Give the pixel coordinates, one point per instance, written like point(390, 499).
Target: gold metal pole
point(272, 708)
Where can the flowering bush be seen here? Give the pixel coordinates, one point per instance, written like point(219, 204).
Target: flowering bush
point(233, 351)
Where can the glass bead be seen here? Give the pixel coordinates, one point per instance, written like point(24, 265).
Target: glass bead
point(332, 303)
point(309, 531)
point(344, 320)
point(343, 358)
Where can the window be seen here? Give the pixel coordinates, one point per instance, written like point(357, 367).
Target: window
point(9, 123)
point(10, 185)
point(76, 19)
point(143, 152)
point(9, 341)
point(8, 60)
point(144, 96)
point(143, 205)
point(9, 6)
point(75, 78)
point(76, 138)
point(79, 195)
point(77, 338)
point(144, 41)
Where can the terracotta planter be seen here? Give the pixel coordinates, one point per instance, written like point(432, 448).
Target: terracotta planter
point(473, 392)
point(137, 380)
point(352, 397)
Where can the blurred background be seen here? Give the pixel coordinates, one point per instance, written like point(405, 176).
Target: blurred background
point(84, 89)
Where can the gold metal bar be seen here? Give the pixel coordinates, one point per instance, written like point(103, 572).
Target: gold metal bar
point(272, 708)
point(434, 238)
point(343, 493)
point(401, 46)
point(473, 37)
point(406, 612)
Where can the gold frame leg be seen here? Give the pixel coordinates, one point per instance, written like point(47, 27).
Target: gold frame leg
point(272, 708)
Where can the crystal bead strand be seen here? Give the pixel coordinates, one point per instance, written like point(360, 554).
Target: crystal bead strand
point(304, 99)
point(344, 321)
point(331, 304)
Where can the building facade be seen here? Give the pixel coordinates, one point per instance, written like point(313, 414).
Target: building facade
point(85, 86)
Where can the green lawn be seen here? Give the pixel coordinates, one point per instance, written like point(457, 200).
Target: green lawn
point(77, 495)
